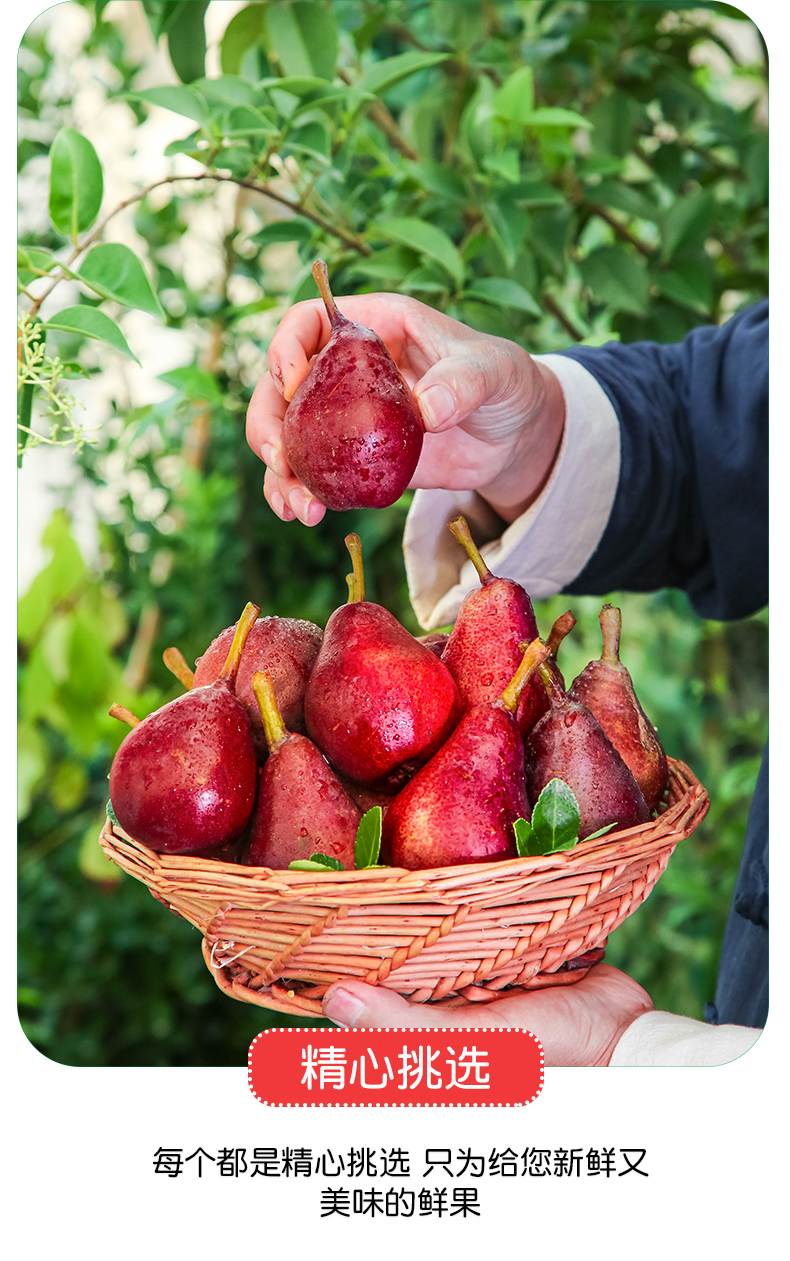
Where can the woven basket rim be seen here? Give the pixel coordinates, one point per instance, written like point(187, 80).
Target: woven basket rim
point(359, 886)
point(446, 934)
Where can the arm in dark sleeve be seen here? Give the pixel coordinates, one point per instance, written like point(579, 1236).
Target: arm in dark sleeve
point(691, 508)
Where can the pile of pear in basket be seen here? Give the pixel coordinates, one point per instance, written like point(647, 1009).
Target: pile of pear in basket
point(437, 815)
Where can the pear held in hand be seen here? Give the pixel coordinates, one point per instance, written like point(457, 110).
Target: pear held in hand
point(353, 432)
point(606, 688)
point(184, 779)
point(461, 807)
point(301, 807)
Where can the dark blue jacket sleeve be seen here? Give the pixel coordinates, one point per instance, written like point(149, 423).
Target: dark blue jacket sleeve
point(691, 511)
point(691, 508)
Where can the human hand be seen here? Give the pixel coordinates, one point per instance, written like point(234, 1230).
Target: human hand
point(577, 1025)
point(494, 417)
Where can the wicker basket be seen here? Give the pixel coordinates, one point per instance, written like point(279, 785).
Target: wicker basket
point(450, 934)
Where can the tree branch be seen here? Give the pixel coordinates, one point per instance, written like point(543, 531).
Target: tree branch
point(380, 116)
point(621, 231)
point(556, 310)
point(348, 238)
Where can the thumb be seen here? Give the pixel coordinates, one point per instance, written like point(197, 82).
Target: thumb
point(460, 384)
point(355, 1005)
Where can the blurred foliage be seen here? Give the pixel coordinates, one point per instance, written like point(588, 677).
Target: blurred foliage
point(547, 171)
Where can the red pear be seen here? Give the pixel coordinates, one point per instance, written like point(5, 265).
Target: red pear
point(353, 432)
point(606, 688)
point(285, 647)
point(184, 779)
point(486, 642)
point(378, 703)
point(567, 743)
point(461, 806)
point(301, 808)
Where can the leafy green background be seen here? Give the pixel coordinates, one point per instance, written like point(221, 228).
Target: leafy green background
point(547, 171)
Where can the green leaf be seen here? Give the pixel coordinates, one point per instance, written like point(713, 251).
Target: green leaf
point(502, 292)
point(689, 285)
point(687, 218)
point(162, 15)
point(537, 193)
point(76, 183)
point(303, 37)
point(285, 40)
point(427, 238)
point(294, 229)
point(297, 85)
point(183, 100)
point(388, 266)
point(623, 197)
point(243, 120)
point(326, 861)
point(617, 278)
point(194, 383)
point(524, 837)
point(317, 27)
point(515, 100)
point(111, 813)
point(554, 117)
point(32, 765)
point(601, 831)
point(228, 89)
point(555, 818)
point(92, 860)
point(243, 32)
point(187, 145)
point(115, 271)
point(507, 225)
point(426, 279)
point(59, 578)
point(368, 842)
point(505, 164)
point(89, 322)
point(383, 75)
point(316, 862)
point(314, 139)
point(186, 41)
point(33, 263)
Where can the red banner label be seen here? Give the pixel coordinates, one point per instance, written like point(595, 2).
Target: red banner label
point(396, 1068)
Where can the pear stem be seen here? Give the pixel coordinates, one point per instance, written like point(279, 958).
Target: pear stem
point(535, 654)
point(123, 714)
point(273, 725)
point(551, 684)
point(356, 585)
point(611, 620)
point(244, 625)
point(563, 625)
point(459, 528)
point(321, 278)
point(177, 664)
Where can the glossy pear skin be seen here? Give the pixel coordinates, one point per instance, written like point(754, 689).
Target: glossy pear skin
point(606, 688)
point(461, 807)
point(301, 809)
point(568, 743)
point(284, 646)
point(353, 432)
point(378, 703)
point(485, 647)
point(184, 779)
